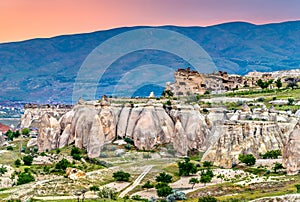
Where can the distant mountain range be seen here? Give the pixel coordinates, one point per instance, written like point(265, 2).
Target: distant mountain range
point(43, 70)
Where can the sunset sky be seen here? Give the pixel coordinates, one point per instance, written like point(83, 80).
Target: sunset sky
point(26, 19)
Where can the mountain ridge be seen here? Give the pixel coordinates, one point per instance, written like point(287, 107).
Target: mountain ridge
point(45, 69)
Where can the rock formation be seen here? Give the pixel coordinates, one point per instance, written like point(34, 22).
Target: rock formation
point(49, 132)
point(91, 126)
point(243, 137)
point(291, 152)
point(74, 174)
point(222, 134)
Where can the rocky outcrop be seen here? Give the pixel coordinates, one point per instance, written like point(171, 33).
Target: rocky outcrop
point(74, 174)
point(32, 142)
point(90, 126)
point(243, 137)
point(291, 152)
point(49, 133)
point(222, 134)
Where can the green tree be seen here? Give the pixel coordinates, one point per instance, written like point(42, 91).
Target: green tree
point(147, 185)
point(193, 181)
point(25, 131)
point(17, 163)
point(10, 136)
point(207, 199)
point(278, 83)
point(248, 159)
point(205, 179)
point(207, 164)
point(277, 166)
point(121, 176)
point(63, 164)
point(186, 167)
point(16, 134)
point(164, 191)
point(164, 177)
point(25, 177)
point(263, 84)
point(27, 160)
point(272, 154)
point(76, 157)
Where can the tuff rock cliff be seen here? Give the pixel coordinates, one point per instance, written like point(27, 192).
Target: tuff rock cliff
point(221, 133)
point(291, 152)
point(91, 126)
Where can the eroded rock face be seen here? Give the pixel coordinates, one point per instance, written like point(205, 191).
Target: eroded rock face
point(221, 134)
point(49, 132)
point(291, 152)
point(234, 138)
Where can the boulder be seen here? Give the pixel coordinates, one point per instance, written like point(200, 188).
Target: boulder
point(32, 142)
point(74, 173)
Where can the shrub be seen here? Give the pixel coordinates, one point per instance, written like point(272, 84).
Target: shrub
point(128, 146)
point(260, 99)
point(27, 160)
point(75, 150)
point(297, 187)
point(108, 193)
point(2, 170)
point(57, 151)
point(94, 188)
point(148, 185)
point(121, 176)
point(25, 131)
point(207, 164)
point(76, 156)
point(207, 199)
point(291, 101)
point(10, 148)
point(277, 166)
point(25, 177)
point(63, 164)
point(17, 163)
point(129, 140)
point(273, 154)
point(164, 177)
point(248, 159)
point(164, 190)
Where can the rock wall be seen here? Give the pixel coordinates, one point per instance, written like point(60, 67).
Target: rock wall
point(243, 137)
point(222, 134)
point(91, 126)
point(291, 152)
